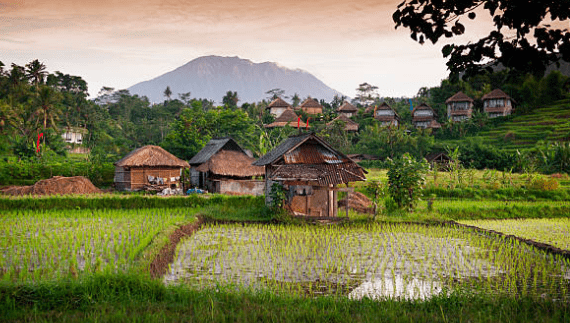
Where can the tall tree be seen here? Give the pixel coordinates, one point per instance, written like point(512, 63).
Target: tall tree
point(36, 72)
point(275, 93)
point(167, 92)
point(230, 100)
point(47, 99)
point(366, 94)
point(528, 44)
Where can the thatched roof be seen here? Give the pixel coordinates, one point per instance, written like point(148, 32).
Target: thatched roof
point(152, 156)
point(495, 94)
point(423, 106)
point(231, 163)
point(212, 147)
point(278, 103)
point(459, 97)
point(310, 103)
point(347, 107)
point(287, 118)
point(349, 124)
point(385, 106)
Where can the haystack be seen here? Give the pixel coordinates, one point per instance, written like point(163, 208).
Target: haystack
point(56, 185)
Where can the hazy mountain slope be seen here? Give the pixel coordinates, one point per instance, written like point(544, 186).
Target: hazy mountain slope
point(212, 76)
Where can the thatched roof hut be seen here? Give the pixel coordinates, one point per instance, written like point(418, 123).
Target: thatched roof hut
point(231, 163)
point(347, 109)
point(311, 106)
point(277, 107)
point(135, 170)
point(287, 118)
point(349, 125)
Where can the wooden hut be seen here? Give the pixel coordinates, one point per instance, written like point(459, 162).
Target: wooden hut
point(386, 115)
point(148, 166)
point(309, 170)
point(311, 106)
point(423, 116)
point(347, 109)
point(497, 104)
point(459, 107)
point(277, 107)
point(222, 166)
point(287, 118)
point(349, 125)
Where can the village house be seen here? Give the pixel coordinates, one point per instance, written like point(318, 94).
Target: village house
point(74, 136)
point(309, 170)
point(277, 107)
point(347, 109)
point(423, 116)
point(287, 118)
point(222, 166)
point(459, 107)
point(386, 115)
point(349, 125)
point(497, 104)
point(310, 106)
point(149, 166)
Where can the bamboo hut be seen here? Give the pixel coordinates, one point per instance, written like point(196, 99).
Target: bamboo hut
point(148, 166)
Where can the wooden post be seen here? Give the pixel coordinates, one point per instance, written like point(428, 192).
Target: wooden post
point(347, 193)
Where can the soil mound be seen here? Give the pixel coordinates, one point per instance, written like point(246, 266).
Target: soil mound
point(55, 185)
point(358, 202)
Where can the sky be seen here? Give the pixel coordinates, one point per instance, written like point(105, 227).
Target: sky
point(118, 43)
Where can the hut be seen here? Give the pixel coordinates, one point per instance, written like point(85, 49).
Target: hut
point(423, 116)
point(497, 104)
point(311, 106)
point(287, 118)
point(222, 166)
point(309, 170)
point(277, 107)
point(459, 107)
point(148, 166)
point(386, 115)
point(439, 159)
point(347, 109)
point(349, 125)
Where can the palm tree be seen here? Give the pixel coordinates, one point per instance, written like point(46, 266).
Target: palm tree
point(167, 92)
point(36, 72)
point(46, 99)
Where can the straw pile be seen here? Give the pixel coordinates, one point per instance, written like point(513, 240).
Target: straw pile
point(358, 202)
point(56, 185)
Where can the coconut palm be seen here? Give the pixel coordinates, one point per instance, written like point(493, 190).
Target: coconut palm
point(46, 100)
point(36, 72)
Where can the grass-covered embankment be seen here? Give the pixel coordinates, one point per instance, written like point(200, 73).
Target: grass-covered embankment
point(131, 298)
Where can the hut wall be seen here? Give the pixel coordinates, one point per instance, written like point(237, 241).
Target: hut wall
point(122, 178)
point(240, 187)
point(139, 176)
point(194, 177)
point(312, 200)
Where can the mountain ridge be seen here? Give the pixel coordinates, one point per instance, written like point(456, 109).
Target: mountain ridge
point(210, 77)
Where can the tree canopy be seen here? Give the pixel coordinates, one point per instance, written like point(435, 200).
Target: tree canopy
point(535, 43)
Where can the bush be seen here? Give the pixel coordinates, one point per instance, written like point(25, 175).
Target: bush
point(544, 184)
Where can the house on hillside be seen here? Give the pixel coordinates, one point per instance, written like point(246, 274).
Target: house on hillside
point(74, 137)
point(423, 116)
point(222, 166)
point(311, 106)
point(497, 104)
point(309, 170)
point(459, 107)
point(277, 107)
point(386, 115)
point(347, 109)
point(148, 166)
point(349, 125)
point(287, 118)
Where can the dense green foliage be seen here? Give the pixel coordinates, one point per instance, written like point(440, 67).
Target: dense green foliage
point(405, 178)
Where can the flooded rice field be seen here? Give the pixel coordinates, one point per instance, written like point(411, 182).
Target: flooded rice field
point(376, 261)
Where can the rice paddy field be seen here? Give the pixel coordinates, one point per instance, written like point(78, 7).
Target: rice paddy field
point(50, 245)
point(402, 261)
point(555, 232)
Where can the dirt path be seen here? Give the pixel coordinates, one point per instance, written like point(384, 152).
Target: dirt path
point(159, 265)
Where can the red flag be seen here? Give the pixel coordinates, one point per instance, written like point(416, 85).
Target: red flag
point(298, 122)
point(38, 145)
point(308, 122)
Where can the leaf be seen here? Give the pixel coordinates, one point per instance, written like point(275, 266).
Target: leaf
point(447, 49)
point(471, 15)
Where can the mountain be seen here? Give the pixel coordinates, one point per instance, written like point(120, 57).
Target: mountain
point(210, 77)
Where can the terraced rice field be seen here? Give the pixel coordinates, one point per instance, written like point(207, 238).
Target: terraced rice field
point(389, 260)
point(555, 232)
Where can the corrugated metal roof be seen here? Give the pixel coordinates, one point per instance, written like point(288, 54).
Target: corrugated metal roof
point(321, 174)
point(278, 151)
point(311, 153)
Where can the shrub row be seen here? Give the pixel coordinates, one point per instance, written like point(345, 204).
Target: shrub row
point(513, 194)
point(127, 202)
point(28, 172)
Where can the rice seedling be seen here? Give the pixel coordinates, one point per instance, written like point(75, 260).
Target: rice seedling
point(38, 245)
point(374, 260)
point(555, 232)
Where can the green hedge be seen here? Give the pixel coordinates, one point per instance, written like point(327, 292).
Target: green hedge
point(127, 202)
point(29, 172)
point(518, 194)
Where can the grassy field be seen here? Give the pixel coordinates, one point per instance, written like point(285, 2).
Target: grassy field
point(70, 264)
